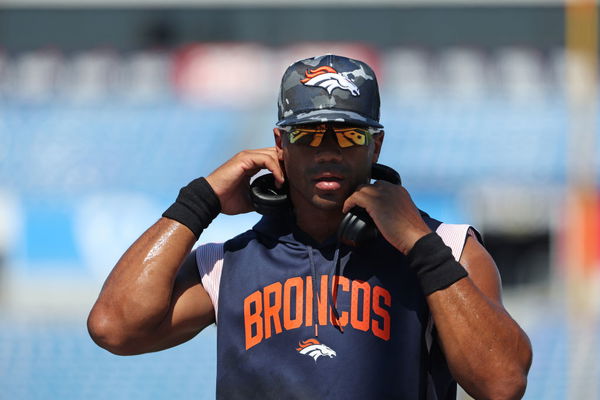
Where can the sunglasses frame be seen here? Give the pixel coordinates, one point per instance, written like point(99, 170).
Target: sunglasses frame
point(342, 139)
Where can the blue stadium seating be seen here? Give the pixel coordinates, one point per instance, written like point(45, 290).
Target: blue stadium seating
point(58, 361)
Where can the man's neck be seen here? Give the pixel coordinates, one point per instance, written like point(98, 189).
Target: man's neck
point(319, 224)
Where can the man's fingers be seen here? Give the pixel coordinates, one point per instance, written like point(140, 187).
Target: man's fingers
point(226, 179)
point(359, 198)
point(269, 161)
point(365, 195)
point(255, 160)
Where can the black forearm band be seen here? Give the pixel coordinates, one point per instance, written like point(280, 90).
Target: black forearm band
point(434, 264)
point(196, 206)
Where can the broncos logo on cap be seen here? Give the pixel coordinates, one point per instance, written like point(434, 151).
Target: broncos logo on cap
point(313, 348)
point(329, 79)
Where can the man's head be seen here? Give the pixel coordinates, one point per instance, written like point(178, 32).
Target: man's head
point(328, 131)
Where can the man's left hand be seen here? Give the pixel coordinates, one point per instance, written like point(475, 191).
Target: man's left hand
point(393, 211)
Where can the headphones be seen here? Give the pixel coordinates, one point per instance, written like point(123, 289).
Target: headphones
point(356, 228)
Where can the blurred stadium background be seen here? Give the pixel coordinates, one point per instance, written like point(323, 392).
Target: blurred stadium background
point(108, 108)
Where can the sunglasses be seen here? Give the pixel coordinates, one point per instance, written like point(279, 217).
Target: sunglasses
point(346, 137)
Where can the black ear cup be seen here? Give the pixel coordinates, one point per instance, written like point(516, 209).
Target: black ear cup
point(266, 198)
point(385, 173)
point(356, 228)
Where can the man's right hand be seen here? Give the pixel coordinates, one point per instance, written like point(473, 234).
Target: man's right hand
point(231, 181)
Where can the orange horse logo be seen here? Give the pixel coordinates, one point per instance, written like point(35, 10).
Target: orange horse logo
point(329, 79)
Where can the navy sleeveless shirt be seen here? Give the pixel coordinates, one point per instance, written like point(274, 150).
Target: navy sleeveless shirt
point(298, 320)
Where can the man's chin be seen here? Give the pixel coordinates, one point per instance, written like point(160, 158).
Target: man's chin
point(328, 203)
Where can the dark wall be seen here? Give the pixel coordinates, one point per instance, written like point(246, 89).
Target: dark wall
point(521, 259)
point(432, 27)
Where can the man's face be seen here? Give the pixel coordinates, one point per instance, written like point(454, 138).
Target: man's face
point(324, 176)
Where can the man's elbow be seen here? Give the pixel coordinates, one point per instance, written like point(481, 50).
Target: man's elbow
point(516, 378)
point(512, 380)
point(510, 385)
point(511, 389)
point(502, 383)
point(107, 333)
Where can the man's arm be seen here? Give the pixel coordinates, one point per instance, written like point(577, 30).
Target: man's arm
point(488, 353)
point(153, 298)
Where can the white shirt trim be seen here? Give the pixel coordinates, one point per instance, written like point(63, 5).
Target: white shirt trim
point(455, 237)
point(209, 258)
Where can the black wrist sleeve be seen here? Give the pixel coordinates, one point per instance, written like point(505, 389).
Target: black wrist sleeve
point(196, 206)
point(434, 263)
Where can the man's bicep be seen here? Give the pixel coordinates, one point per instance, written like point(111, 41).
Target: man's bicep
point(482, 269)
point(191, 308)
point(192, 304)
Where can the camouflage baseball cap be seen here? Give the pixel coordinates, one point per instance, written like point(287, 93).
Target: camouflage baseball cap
point(329, 88)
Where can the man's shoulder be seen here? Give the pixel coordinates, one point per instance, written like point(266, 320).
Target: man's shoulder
point(267, 231)
point(240, 241)
point(445, 228)
point(237, 241)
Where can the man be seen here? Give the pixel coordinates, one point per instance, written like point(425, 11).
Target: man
point(299, 314)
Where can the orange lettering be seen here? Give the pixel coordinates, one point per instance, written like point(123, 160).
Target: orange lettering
point(272, 310)
point(263, 309)
point(309, 301)
point(365, 288)
point(381, 293)
point(253, 319)
point(345, 284)
point(288, 322)
point(321, 301)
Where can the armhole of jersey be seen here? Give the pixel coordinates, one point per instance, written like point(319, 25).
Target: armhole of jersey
point(209, 258)
point(454, 236)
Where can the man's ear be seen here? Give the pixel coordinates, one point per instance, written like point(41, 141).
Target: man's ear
point(278, 142)
point(378, 142)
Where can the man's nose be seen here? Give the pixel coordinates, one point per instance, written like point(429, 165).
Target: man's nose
point(329, 149)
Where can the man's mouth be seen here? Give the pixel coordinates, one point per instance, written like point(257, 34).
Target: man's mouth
point(328, 181)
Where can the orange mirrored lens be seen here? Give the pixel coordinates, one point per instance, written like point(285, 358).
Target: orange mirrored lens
point(346, 137)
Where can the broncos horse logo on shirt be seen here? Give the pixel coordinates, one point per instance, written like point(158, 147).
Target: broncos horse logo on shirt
point(313, 348)
point(329, 79)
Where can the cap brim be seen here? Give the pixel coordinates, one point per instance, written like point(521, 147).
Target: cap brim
point(317, 116)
